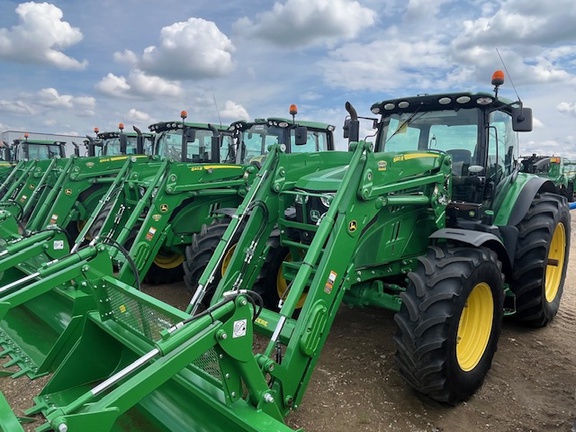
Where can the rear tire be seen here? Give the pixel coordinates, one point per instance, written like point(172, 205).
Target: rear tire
point(544, 238)
point(449, 322)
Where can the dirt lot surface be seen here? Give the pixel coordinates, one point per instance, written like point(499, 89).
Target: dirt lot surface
point(356, 387)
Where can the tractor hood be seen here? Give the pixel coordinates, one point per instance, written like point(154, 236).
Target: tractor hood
point(393, 166)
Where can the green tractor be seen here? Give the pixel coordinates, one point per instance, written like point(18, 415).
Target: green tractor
point(557, 169)
point(434, 221)
point(119, 142)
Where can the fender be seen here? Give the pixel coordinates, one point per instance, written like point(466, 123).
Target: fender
point(534, 185)
point(477, 239)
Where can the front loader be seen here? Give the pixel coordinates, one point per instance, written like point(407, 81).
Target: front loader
point(433, 221)
point(146, 220)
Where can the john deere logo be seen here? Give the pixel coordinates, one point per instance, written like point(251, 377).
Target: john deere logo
point(314, 215)
point(352, 226)
point(68, 191)
point(163, 208)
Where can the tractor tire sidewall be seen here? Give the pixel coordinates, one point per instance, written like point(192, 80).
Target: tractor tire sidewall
point(198, 255)
point(529, 274)
point(429, 319)
point(266, 283)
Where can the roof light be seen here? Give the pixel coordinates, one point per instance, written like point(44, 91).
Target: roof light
point(283, 124)
point(375, 110)
point(403, 104)
point(389, 106)
point(444, 100)
point(498, 78)
point(484, 100)
point(463, 99)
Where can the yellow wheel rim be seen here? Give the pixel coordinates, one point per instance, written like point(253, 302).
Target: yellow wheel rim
point(475, 327)
point(168, 261)
point(227, 259)
point(282, 285)
point(556, 257)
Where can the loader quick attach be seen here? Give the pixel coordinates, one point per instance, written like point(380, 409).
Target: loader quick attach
point(433, 220)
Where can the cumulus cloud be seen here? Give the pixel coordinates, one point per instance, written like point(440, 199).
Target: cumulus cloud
point(567, 108)
point(297, 23)
point(139, 116)
point(138, 84)
point(234, 111)
point(48, 100)
point(189, 50)
point(15, 107)
point(40, 37)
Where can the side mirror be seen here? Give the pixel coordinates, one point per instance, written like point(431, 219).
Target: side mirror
point(352, 130)
point(521, 119)
point(300, 135)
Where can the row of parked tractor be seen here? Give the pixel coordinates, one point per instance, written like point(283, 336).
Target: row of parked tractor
point(272, 229)
point(560, 170)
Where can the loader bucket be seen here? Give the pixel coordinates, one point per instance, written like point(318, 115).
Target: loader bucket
point(40, 312)
point(140, 364)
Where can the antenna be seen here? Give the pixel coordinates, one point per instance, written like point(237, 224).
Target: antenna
point(217, 110)
point(508, 74)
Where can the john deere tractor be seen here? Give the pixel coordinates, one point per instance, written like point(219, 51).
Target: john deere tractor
point(434, 220)
point(118, 142)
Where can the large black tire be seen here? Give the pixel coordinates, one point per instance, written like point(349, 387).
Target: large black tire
point(99, 221)
point(568, 192)
point(167, 267)
point(449, 322)
point(270, 283)
point(198, 255)
point(541, 260)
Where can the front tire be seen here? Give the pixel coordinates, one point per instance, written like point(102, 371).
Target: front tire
point(541, 260)
point(449, 322)
point(198, 255)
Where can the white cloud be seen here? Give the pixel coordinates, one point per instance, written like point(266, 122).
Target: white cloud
point(15, 107)
point(189, 50)
point(138, 84)
point(567, 108)
point(233, 111)
point(40, 37)
point(298, 23)
point(139, 116)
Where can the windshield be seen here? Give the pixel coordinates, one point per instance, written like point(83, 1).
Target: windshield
point(39, 151)
point(198, 149)
point(435, 130)
point(256, 140)
point(112, 146)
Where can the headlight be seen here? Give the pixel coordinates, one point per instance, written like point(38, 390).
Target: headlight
point(301, 199)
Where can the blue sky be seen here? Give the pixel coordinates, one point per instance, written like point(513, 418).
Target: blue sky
point(68, 66)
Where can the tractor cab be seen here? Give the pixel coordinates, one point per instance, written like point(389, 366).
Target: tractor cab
point(188, 142)
point(28, 149)
point(252, 139)
point(118, 142)
point(477, 132)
